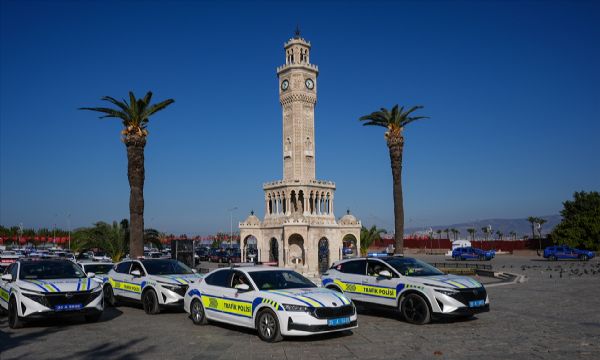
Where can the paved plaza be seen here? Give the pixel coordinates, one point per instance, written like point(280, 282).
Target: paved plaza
point(550, 316)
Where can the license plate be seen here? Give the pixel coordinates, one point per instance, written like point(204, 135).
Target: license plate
point(338, 321)
point(68, 307)
point(476, 303)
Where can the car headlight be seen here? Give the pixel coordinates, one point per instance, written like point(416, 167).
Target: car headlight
point(296, 308)
point(40, 299)
point(446, 292)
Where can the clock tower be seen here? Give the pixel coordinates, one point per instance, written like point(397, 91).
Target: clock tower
point(299, 230)
point(298, 96)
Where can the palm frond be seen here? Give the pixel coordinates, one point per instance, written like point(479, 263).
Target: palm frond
point(157, 107)
point(109, 112)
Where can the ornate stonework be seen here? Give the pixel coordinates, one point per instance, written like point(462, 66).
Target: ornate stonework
point(299, 229)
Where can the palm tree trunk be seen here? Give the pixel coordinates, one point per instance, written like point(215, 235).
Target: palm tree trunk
point(136, 175)
point(395, 146)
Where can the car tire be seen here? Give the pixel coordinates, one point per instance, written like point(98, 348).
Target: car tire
point(197, 313)
point(267, 326)
point(109, 296)
point(92, 318)
point(150, 302)
point(481, 258)
point(415, 310)
point(14, 321)
point(552, 258)
point(584, 257)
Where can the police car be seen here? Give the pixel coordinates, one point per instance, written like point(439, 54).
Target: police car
point(155, 283)
point(276, 302)
point(418, 290)
point(37, 288)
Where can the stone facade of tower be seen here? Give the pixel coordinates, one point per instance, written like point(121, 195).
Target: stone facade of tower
point(299, 229)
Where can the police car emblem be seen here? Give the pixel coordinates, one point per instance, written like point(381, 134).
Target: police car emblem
point(213, 303)
point(351, 288)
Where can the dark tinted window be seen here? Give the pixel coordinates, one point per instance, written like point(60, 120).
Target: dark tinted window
point(42, 270)
point(97, 268)
point(374, 267)
point(353, 267)
point(219, 278)
point(166, 267)
point(239, 278)
point(284, 279)
point(123, 267)
point(14, 271)
point(137, 266)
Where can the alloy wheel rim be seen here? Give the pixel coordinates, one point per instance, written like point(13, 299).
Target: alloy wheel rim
point(267, 326)
point(414, 310)
point(149, 302)
point(197, 311)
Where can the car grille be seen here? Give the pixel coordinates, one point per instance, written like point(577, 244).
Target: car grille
point(333, 312)
point(466, 295)
point(181, 290)
point(64, 298)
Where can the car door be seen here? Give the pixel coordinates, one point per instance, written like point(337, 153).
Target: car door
point(118, 278)
point(5, 287)
point(380, 289)
point(559, 252)
point(351, 275)
point(133, 283)
point(236, 303)
point(214, 287)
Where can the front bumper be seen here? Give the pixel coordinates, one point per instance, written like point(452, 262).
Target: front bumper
point(31, 309)
point(462, 312)
point(302, 324)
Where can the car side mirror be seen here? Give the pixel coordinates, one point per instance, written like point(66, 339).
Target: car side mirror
point(91, 274)
point(136, 273)
point(7, 277)
point(384, 274)
point(242, 287)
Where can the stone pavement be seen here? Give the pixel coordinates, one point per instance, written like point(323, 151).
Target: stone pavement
point(543, 318)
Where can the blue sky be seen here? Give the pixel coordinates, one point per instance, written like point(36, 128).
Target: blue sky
point(512, 89)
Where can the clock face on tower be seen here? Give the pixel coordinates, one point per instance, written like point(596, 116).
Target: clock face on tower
point(284, 85)
point(310, 84)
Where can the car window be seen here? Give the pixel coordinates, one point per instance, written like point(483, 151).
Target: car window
point(14, 271)
point(123, 268)
point(280, 280)
point(50, 269)
point(219, 278)
point(137, 266)
point(239, 278)
point(352, 267)
point(374, 267)
point(97, 268)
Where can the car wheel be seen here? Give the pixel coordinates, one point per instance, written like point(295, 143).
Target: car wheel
point(481, 257)
point(197, 312)
point(109, 296)
point(14, 321)
point(150, 302)
point(552, 258)
point(267, 326)
point(92, 318)
point(415, 310)
point(584, 258)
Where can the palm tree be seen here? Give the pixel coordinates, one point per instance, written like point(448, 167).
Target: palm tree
point(486, 232)
point(500, 234)
point(109, 237)
point(540, 222)
point(368, 236)
point(395, 121)
point(455, 232)
point(447, 231)
point(472, 232)
point(134, 116)
point(513, 235)
point(533, 220)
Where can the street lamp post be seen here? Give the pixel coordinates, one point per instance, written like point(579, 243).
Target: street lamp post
point(231, 223)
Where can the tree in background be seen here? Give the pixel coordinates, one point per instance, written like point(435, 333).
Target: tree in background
point(486, 232)
point(447, 231)
point(395, 121)
point(135, 117)
point(533, 220)
point(108, 237)
point(580, 225)
point(499, 234)
point(513, 235)
point(455, 232)
point(472, 232)
point(368, 237)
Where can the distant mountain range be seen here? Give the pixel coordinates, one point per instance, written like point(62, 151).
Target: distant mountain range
point(520, 226)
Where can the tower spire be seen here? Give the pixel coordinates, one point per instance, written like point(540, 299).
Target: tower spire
point(297, 32)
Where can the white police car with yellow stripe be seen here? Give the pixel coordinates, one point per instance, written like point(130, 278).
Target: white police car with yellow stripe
point(276, 302)
point(418, 290)
point(36, 288)
point(155, 283)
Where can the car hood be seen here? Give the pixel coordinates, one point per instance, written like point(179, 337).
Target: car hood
point(58, 285)
point(314, 297)
point(178, 279)
point(448, 281)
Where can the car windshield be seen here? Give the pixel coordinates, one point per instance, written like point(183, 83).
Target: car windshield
point(42, 270)
point(97, 268)
point(278, 280)
point(413, 267)
point(166, 267)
